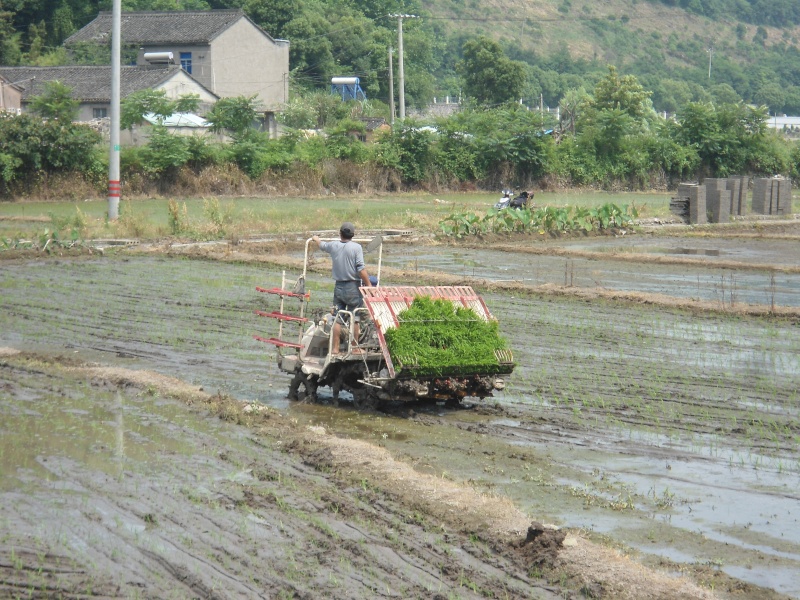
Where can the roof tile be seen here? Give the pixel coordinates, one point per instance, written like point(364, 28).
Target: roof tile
point(89, 84)
point(160, 28)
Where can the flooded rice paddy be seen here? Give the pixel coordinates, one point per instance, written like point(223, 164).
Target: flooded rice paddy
point(674, 433)
point(751, 284)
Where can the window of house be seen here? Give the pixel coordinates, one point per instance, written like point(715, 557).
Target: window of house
point(186, 62)
point(99, 113)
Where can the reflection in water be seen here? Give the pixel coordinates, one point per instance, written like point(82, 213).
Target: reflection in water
point(703, 282)
point(119, 446)
point(695, 251)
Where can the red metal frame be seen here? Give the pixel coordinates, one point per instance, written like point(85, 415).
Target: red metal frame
point(281, 292)
point(281, 316)
point(277, 342)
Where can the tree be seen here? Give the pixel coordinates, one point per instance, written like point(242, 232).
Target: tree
point(31, 147)
point(792, 105)
point(237, 115)
point(63, 25)
point(771, 95)
point(310, 56)
point(671, 94)
point(622, 93)
point(273, 16)
point(571, 105)
point(165, 152)
point(722, 93)
point(619, 110)
point(314, 111)
point(730, 138)
point(36, 39)
point(490, 77)
point(10, 53)
point(55, 102)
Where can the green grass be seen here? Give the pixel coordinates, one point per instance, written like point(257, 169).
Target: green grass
point(149, 218)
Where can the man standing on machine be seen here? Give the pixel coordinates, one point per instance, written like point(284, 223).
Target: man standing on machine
point(349, 273)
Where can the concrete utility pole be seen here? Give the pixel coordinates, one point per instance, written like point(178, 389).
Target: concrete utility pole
point(113, 159)
point(401, 79)
point(391, 87)
point(710, 51)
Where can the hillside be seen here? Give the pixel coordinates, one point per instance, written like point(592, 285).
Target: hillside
point(753, 45)
point(667, 47)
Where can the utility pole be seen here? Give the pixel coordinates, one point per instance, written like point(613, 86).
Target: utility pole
point(391, 88)
point(113, 158)
point(401, 79)
point(710, 51)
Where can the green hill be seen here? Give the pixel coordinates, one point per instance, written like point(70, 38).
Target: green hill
point(667, 45)
point(750, 47)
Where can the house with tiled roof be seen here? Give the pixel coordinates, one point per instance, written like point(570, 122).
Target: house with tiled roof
point(222, 49)
point(91, 86)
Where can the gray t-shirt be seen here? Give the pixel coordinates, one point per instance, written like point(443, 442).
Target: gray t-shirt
point(348, 259)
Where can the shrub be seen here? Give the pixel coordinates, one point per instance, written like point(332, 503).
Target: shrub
point(164, 152)
point(31, 147)
point(255, 153)
point(407, 149)
point(547, 219)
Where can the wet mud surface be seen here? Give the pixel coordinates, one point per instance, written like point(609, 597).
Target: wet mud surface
point(701, 278)
point(672, 435)
point(121, 493)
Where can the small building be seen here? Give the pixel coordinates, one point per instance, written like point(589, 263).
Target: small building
point(373, 126)
point(222, 49)
point(10, 96)
point(91, 86)
point(184, 124)
point(783, 122)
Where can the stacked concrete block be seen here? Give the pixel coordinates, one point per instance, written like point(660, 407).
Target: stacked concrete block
point(783, 201)
point(718, 199)
point(715, 183)
point(696, 197)
point(761, 189)
point(737, 184)
point(772, 196)
point(719, 203)
point(679, 206)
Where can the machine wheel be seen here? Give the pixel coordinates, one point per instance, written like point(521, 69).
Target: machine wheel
point(309, 385)
point(366, 398)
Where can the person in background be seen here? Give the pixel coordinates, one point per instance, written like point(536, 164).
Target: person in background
point(349, 273)
point(520, 201)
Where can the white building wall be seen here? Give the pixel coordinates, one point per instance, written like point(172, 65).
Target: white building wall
point(181, 84)
point(246, 62)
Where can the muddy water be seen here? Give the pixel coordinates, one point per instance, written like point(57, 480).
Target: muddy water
point(114, 493)
point(754, 251)
point(676, 434)
point(702, 282)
